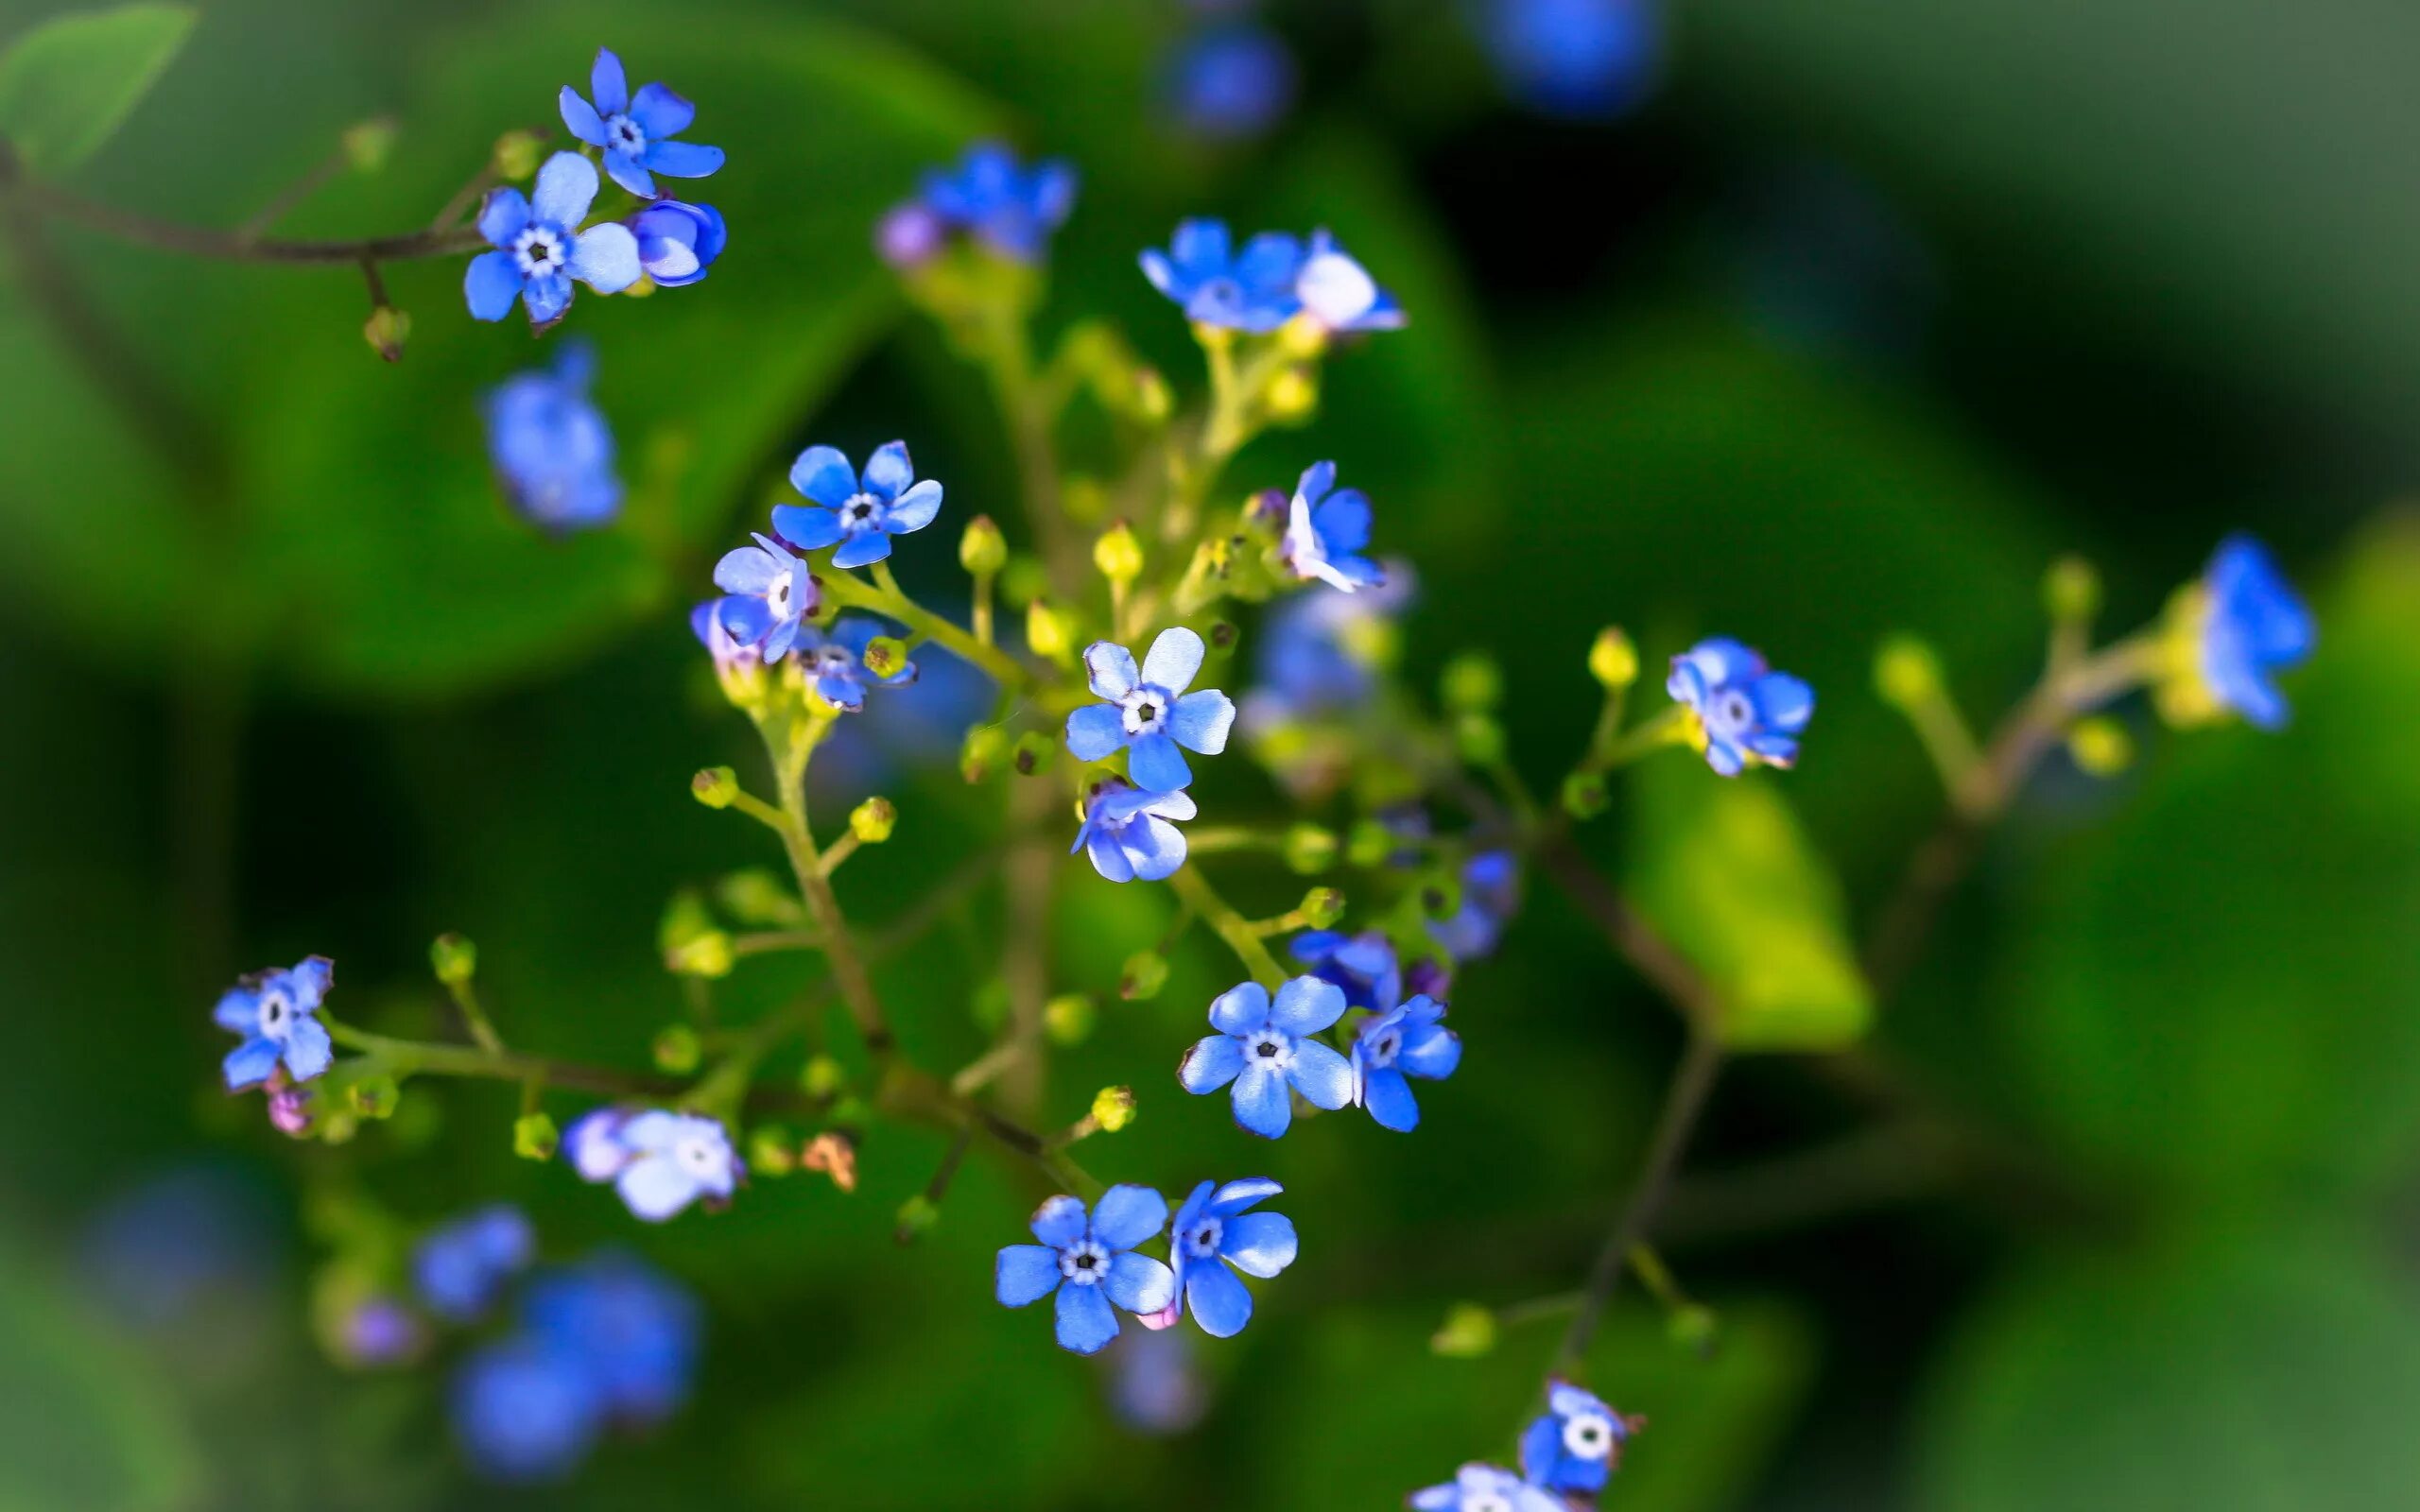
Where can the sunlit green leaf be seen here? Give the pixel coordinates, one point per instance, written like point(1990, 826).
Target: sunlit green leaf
point(68, 84)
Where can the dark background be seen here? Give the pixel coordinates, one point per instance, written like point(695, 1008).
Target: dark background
point(1869, 312)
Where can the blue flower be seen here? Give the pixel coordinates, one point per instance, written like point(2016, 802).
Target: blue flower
point(1326, 531)
point(540, 249)
point(375, 1331)
point(660, 1162)
point(1149, 711)
point(524, 1411)
point(635, 133)
point(2228, 633)
point(276, 1012)
point(1364, 965)
point(1212, 1230)
point(550, 445)
point(835, 661)
point(1402, 1042)
point(1265, 1047)
point(1232, 81)
point(1125, 831)
point(1010, 208)
point(1576, 1445)
point(772, 594)
point(1491, 895)
point(459, 1267)
point(1741, 713)
point(677, 241)
point(860, 514)
point(1251, 291)
point(1338, 292)
point(633, 1331)
point(1486, 1488)
point(1090, 1261)
point(1573, 58)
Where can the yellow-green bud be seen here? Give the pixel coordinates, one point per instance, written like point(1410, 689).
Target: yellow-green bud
point(886, 655)
point(1322, 906)
point(1084, 499)
point(677, 1050)
point(1118, 555)
point(515, 155)
point(367, 144)
point(1613, 661)
point(375, 1096)
point(1047, 633)
point(872, 820)
point(706, 954)
point(2072, 590)
point(2100, 745)
point(771, 1151)
point(1114, 1108)
point(1145, 973)
point(982, 550)
point(535, 1137)
point(715, 786)
point(1369, 843)
point(387, 330)
point(1034, 751)
point(1583, 795)
point(1480, 739)
point(454, 959)
point(990, 1005)
point(1153, 400)
point(1310, 849)
point(1694, 1328)
point(1467, 1333)
point(1292, 396)
point(823, 1078)
point(1906, 672)
point(917, 1214)
point(1069, 1018)
point(1472, 683)
point(986, 749)
point(1303, 336)
point(754, 896)
point(1440, 895)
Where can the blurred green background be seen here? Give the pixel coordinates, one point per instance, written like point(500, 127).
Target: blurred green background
point(1863, 316)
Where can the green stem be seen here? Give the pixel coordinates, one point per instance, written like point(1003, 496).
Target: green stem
point(1195, 891)
point(884, 597)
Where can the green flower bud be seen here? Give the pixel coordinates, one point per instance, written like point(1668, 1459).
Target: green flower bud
point(1480, 739)
point(375, 1096)
point(985, 751)
point(1584, 796)
point(1467, 1333)
point(454, 959)
point(1145, 973)
point(715, 786)
point(387, 330)
point(1370, 844)
point(917, 1214)
point(1472, 683)
point(367, 144)
point(1322, 906)
point(2101, 746)
point(707, 954)
point(771, 1151)
point(1069, 1018)
point(1034, 752)
point(1694, 1328)
point(1118, 555)
point(823, 1078)
point(754, 895)
point(1114, 1108)
point(515, 155)
point(1293, 396)
point(982, 550)
point(1310, 849)
point(872, 820)
point(886, 655)
point(535, 1137)
point(677, 1050)
point(1613, 661)
point(1303, 337)
point(1047, 634)
point(2072, 590)
point(1906, 673)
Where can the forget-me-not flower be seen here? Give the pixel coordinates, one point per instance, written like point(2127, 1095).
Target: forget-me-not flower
point(1363, 965)
point(524, 1411)
point(550, 445)
point(1326, 531)
point(1486, 1488)
point(1575, 1446)
point(1090, 1261)
point(859, 514)
point(835, 661)
point(675, 1158)
point(1149, 711)
point(1231, 82)
point(1491, 895)
point(2229, 633)
point(1215, 1229)
point(277, 1013)
point(1265, 1047)
point(633, 1330)
point(635, 131)
point(459, 1267)
point(1009, 207)
point(1742, 713)
point(1253, 290)
point(772, 594)
point(1578, 59)
point(1338, 292)
point(540, 247)
point(677, 241)
point(1403, 1041)
point(1127, 832)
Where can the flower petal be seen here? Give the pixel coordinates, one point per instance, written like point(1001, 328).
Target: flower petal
point(1087, 1321)
point(250, 1063)
point(824, 475)
point(1111, 667)
point(862, 549)
point(1153, 762)
point(566, 186)
point(1200, 721)
point(581, 118)
point(887, 471)
point(810, 527)
point(1094, 731)
point(1060, 1222)
point(913, 509)
point(607, 85)
point(681, 160)
point(1342, 519)
point(1259, 1244)
point(630, 173)
point(1541, 1446)
point(1388, 1096)
point(502, 214)
point(1125, 1216)
point(1139, 1283)
point(1307, 1005)
point(1238, 1194)
point(655, 1187)
point(547, 298)
point(1219, 1303)
point(1240, 1009)
point(308, 1050)
point(490, 285)
point(1024, 1273)
point(1433, 1053)
point(239, 1010)
point(1109, 858)
point(606, 258)
point(1783, 702)
point(660, 112)
point(1315, 482)
point(748, 570)
point(1262, 1104)
point(1200, 246)
point(1212, 1062)
point(1322, 1076)
point(1174, 658)
point(1156, 847)
point(310, 980)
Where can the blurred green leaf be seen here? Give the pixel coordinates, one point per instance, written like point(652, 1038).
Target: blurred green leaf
point(69, 83)
point(88, 1426)
point(1723, 870)
point(2219, 984)
point(2211, 1377)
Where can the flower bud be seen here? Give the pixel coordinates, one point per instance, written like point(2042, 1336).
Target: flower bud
point(1310, 849)
point(387, 330)
point(375, 1096)
point(1069, 1018)
point(872, 820)
point(1035, 751)
point(1047, 634)
point(2072, 590)
point(1153, 400)
point(1145, 973)
point(1906, 672)
point(2101, 746)
point(982, 550)
point(454, 959)
point(1613, 661)
point(677, 1050)
point(985, 751)
point(367, 144)
point(1467, 1333)
point(1584, 796)
point(823, 1078)
point(706, 954)
point(990, 1004)
point(917, 1214)
point(1472, 683)
point(1083, 499)
point(1293, 396)
point(1114, 1108)
point(1480, 739)
point(535, 1137)
point(715, 786)
point(886, 655)
point(754, 895)
point(1118, 555)
point(1694, 1328)
point(1303, 337)
point(769, 1151)
point(1370, 844)
point(515, 155)
point(1322, 906)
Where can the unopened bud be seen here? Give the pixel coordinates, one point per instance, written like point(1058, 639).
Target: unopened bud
point(917, 1214)
point(677, 1050)
point(754, 896)
point(1118, 553)
point(1153, 400)
point(1906, 672)
point(387, 330)
point(1370, 844)
point(985, 751)
point(2101, 746)
point(1310, 849)
point(1480, 739)
point(1114, 1108)
point(1695, 1327)
point(1303, 336)
point(375, 1096)
point(886, 655)
point(1613, 661)
point(454, 959)
point(1047, 633)
point(823, 1078)
point(872, 820)
point(1322, 906)
point(535, 1137)
point(2072, 590)
point(1472, 683)
point(706, 954)
point(1069, 1018)
point(1145, 973)
point(982, 550)
point(1293, 395)
point(715, 786)
point(1584, 796)
point(367, 144)
point(1035, 751)
point(515, 155)
point(770, 1151)
point(1467, 1333)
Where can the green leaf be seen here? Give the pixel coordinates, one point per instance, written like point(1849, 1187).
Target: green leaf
point(1723, 870)
point(2211, 1377)
point(67, 85)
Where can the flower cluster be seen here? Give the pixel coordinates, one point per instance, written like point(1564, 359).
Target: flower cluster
point(658, 1160)
point(1568, 1454)
point(1011, 209)
point(1088, 1260)
point(1273, 279)
point(1148, 715)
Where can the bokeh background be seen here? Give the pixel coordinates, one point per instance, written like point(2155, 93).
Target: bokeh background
point(1802, 321)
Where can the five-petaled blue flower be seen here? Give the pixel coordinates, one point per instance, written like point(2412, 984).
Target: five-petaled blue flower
point(1491, 895)
point(772, 594)
point(1090, 1261)
point(1231, 82)
point(1486, 1488)
point(1148, 710)
point(1264, 1047)
point(1363, 965)
point(1009, 207)
point(524, 1411)
point(677, 241)
point(1325, 532)
point(1402, 1042)
point(1742, 713)
point(835, 661)
point(1339, 293)
point(550, 444)
point(1128, 833)
point(1576, 1445)
point(2242, 622)
point(540, 247)
point(1251, 291)
point(861, 514)
point(1212, 1230)
point(276, 1012)
point(660, 1162)
point(635, 133)
point(459, 1267)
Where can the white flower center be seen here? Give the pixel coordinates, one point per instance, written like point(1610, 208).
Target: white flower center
point(622, 134)
point(1084, 1262)
point(1202, 1240)
point(1272, 1048)
point(1486, 1502)
point(538, 249)
point(777, 597)
point(1383, 1048)
point(698, 1155)
point(277, 1014)
point(1588, 1435)
point(861, 512)
point(1144, 709)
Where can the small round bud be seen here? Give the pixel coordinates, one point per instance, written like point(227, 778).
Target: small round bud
point(535, 1137)
point(990, 1005)
point(1480, 739)
point(375, 1096)
point(1222, 634)
point(706, 954)
point(715, 786)
point(754, 896)
point(886, 655)
point(1467, 1333)
point(515, 155)
point(1035, 751)
point(1695, 1327)
point(2101, 746)
point(1906, 672)
point(1114, 1108)
point(387, 330)
point(454, 959)
point(1370, 844)
point(1069, 1018)
point(872, 820)
point(1084, 499)
point(1613, 661)
point(770, 1151)
point(1293, 396)
point(917, 1214)
point(1322, 906)
point(1047, 633)
point(1440, 894)
point(1118, 553)
point(1303, 336)
point(677, 1050)
point(367, 144)
point(982, 550)
point(985, 751)
point(2072, 590)
point(1145, 973)
point(1310, 849)
point(823, 1078)
point(1472, 683)
point(1153, 400)
point(1584, 796)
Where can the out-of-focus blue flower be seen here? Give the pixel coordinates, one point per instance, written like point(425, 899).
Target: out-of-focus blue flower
point(677, 241)
point(277, 1013)
point(1486, 1488)
point(834, 661)
point(1128, 833)
point(1491, 896)
point(550, 445)
point(633, 1331)
point(460, 1266)
point(523, 1411)
point(1264, 1047)
point(1363, 966)
point(2229, 633)
point(540, 247)
point(191, 1243)
point(892, 737)
point(1338, 292)
point(1576, 1445)
point(1009, 207)
point(1229, 82)
point(859, 514)
point(1742, 712)
point(1156, 1385)
point(1404, 1041)
point(1579, 58)
point(1214, 1230)
point(1253, 290)
point(1320, 653)
point(1090, 1261)
point(375, 1331)
point(771, 594)
point(1326, 531)
point(1149, 711)
point(635, 131)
